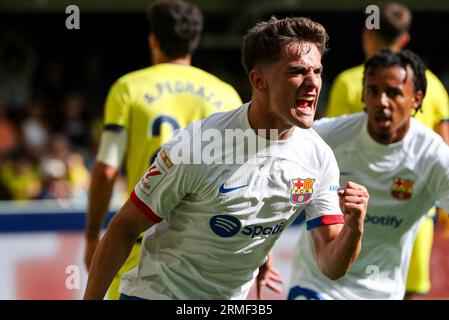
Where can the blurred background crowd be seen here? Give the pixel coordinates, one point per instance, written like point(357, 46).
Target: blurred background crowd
point(54, 81)
point(49, 127)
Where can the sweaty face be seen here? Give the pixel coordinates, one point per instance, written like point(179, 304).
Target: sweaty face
point(390, 99)
point(294, 84)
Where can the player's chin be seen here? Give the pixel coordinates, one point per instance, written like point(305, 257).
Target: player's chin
point(383, 130)
point(303, 118)
point(303, 121)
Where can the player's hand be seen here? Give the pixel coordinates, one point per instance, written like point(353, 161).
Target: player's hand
point(91, 246)
point(268, 277)
point(354, 203)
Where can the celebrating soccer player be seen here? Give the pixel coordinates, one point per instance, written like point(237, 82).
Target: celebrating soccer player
point(217, 221)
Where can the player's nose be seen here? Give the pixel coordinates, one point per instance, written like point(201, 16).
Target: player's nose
point(384, 100)
point(311, 80)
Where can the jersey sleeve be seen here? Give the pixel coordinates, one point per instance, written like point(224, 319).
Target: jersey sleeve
point(324, 127)
point(161, 188)
point(117, 108)
point(335, 130)
point(440, 175)
point(324, 209)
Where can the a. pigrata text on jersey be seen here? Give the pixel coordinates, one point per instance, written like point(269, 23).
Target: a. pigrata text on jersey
point(221, 220)
point(404, 180)
point(152, 103)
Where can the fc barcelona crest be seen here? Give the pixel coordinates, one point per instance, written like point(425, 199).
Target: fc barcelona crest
point(402, 189)
point(302, 190)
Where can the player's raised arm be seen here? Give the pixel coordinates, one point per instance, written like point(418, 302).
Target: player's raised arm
point(337, 246)
point(114, 248)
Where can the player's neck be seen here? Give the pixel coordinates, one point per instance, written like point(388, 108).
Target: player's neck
point(389, 137)
point(376, 48)
point(259, 119)
point(186, 60)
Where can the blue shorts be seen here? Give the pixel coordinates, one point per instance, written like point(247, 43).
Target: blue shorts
point(300, 293)
point(125, 297)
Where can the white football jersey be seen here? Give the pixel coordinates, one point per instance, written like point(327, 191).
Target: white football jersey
point(222, 219)
point(404, 180)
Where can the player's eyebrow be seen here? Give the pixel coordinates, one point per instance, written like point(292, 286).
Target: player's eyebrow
point(395, 89)
point(302, 68)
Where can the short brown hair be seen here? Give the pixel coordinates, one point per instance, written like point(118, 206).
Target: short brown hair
point(265, 41)
point(177, 26)
point(394, 20)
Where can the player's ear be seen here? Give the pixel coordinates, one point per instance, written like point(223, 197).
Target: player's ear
point(257, 80)
point(153, 42)
point(367, 37)
point(403, 41)
point(417, 99)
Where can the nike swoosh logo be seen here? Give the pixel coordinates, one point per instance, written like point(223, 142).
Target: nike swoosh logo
point(226, 190)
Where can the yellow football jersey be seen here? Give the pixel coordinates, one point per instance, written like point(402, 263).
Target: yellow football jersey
point(346, 97)
point(153, 102)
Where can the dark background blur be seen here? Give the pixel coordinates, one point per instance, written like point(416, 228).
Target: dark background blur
point(53, 81)
point(113, 35)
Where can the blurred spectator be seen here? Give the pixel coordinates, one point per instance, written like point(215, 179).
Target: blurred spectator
point(53, 85)
point(8, 133)
point(94, 86)
point(74, 123)
point(96, 128)
point(54, 180)
point(17, 67)
point(35, 129)
point(59, 148)
point(64, 172)
point(19, 177)
point(78, 174)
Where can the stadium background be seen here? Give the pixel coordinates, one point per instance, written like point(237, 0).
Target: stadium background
point(53, 82)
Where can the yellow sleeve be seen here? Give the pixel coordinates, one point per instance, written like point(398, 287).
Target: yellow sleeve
point(439, 98)
point(117, 106)
point(339, 102)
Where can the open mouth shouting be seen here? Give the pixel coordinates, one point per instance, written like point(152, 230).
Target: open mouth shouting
point(305, 104)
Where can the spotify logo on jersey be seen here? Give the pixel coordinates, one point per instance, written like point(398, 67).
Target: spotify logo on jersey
point(225, 226)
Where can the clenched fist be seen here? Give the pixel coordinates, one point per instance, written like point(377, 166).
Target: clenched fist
point(354, 203)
